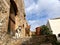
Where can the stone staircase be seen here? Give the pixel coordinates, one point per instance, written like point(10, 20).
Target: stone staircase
point(40, 40)
point(6, 39)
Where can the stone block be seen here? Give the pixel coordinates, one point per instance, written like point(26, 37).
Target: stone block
point(46, 44)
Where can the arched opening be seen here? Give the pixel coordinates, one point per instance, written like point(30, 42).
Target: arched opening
point(13, 13)
point(14, 6)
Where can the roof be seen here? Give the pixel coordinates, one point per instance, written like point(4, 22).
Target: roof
point(55, 18)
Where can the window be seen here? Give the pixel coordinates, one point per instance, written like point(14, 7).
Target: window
point(58, 35)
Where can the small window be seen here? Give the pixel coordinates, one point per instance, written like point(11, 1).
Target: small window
point(24, 15)
point(23, 25)
point(58, 35)
point(19, 29)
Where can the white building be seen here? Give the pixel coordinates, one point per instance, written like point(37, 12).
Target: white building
point(54, 25)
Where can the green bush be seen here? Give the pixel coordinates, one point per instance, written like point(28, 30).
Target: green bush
point(45, 30)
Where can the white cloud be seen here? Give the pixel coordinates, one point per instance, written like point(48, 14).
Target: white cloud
point(28, 3)
point(52, 8)
point(35, 23)
point(32, 7)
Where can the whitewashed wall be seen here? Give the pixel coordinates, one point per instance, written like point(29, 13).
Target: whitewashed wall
point(55, 26)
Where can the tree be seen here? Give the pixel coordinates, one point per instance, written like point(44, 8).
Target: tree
point(45, 30)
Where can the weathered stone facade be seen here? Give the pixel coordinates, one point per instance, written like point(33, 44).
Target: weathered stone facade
point(4, 15)
point(27, 30)
point(12, 16)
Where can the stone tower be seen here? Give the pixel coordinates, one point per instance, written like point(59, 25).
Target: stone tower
point(13, 17)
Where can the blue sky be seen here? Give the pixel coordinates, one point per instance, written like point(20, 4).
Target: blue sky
point(39, 11)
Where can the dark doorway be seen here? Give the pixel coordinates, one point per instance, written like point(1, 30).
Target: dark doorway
point(14, 6)
point(13, 13)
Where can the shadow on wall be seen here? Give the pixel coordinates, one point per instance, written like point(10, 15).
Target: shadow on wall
point(13, 13)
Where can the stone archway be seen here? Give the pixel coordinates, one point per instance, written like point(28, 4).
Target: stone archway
point(13, 13)
point(14, 6)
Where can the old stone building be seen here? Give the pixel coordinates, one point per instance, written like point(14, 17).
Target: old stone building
point(27, 30)
point(12, 17)
point(38, 31)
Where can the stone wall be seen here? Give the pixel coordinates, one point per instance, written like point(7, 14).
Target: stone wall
point(4, 15)
point(20, 18)
point(12, 15)
point(6, 39)
point(43, 40)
